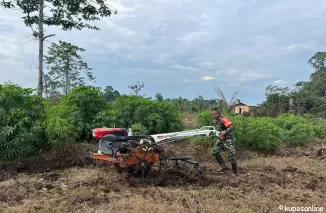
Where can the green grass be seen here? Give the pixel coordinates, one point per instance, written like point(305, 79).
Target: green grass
point(270, 134)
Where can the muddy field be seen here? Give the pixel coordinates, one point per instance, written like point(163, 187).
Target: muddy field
point(59, 183)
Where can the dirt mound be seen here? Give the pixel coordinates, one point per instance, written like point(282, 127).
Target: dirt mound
point(100, 189)
point(170, 177)
point(68, 156)
point(315, 150)
point(77, 185)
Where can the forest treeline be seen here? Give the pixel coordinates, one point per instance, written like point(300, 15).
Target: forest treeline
point(65, 106)
point(70, 107)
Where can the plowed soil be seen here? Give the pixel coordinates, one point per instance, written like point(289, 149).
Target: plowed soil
point(72, 182)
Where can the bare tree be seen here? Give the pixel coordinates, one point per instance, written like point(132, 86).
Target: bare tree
point(66, 14)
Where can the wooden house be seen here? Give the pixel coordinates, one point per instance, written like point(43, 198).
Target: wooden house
point(243, 107)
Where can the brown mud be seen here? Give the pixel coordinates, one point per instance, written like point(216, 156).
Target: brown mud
point(70, 181)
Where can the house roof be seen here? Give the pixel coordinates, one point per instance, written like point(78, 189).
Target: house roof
point(251, 104)
point(245, 103)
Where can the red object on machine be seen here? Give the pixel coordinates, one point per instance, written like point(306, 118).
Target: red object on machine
point(100, 132)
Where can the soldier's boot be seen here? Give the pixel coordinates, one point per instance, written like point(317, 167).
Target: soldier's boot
point(235, 167)
point(221, 162)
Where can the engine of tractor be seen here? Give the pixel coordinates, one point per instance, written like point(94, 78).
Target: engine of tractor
point(99, 133)
point(109, 146)
point(112, 145)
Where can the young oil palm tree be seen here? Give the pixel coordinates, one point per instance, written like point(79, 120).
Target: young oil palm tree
point(226, 107)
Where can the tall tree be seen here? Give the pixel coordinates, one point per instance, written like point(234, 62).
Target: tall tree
point(318, 61)
point(136, 88)
point(277, 100)
point(181, 103)
point(66, 65)
point(159, 97)
point(318, 78)
point(62, 13)
point(317, 84)
point(51, 89)
point(301, 98)
point(111, 94)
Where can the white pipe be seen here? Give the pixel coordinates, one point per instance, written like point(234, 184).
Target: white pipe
point(174, 136)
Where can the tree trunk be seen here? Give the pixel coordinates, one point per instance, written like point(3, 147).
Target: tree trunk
point(67, 76)
point(66, 86)
point(40, 56)
point(46, 88)
point(66, 81)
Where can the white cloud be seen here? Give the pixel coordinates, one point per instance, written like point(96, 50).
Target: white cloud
point(191, 37)
point(121, 8)
point(293, 46)
point(229, 71)
point(223, 40)
point(183, 67)
point(113, 46)
point(281, 81)
point(207, 64)
point(187, 80)
point(251, 76)
point(208, 78)
point(244, 75)
point(8, 48)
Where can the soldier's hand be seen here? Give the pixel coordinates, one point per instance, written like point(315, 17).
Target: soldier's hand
point(222, 134)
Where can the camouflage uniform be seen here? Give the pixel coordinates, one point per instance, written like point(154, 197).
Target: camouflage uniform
point(227, 143)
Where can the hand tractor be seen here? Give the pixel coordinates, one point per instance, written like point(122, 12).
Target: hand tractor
point(138, 154)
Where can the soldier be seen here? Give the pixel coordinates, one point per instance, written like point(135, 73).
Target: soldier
point(225, 142)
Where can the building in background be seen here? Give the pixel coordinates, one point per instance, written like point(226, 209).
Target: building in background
point(243, 108)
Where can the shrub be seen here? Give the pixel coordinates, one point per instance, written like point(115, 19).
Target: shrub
point(107, 117)
point(202, 146)
point(21, 114)
point(139, 129)
point(205, 118)
point(90, 101)
point(266, 134)
point(63, 124)
point(204, 140)
point(298, 130)
point(27, 120)
point(300, 134)
point(288, 121)
point(320, 129)
point(156, 116)
point(242, 127)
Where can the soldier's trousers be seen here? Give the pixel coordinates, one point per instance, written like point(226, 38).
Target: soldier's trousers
point(227, 145)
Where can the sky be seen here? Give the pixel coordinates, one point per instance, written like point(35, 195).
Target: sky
point(183, 48)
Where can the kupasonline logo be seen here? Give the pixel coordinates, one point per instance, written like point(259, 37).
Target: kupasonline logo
point(300, 209)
